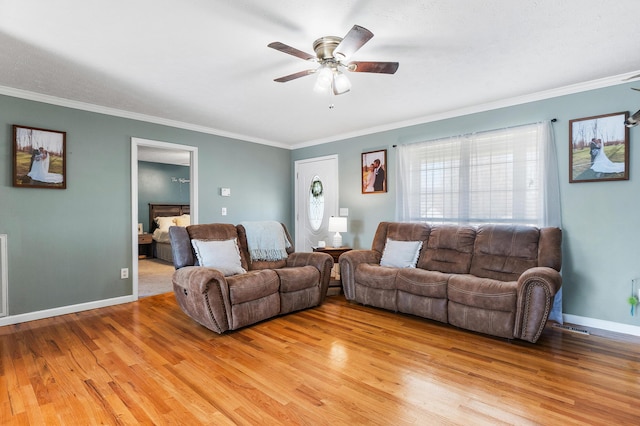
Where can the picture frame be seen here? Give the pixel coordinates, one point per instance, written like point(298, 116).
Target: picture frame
point(39, 158)
point(599, 148)
point(140, 229)
point(373, 172)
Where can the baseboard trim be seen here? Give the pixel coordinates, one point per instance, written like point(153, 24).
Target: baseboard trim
point(602, 324)
point(71, 309)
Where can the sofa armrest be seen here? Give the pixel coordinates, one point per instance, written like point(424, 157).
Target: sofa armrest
point(348, 264)
point(212, 311)
point(536, 290)
point(321, 261)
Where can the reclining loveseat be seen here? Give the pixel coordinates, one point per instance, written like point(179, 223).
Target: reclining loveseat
point(224, 284)
point(494, 279)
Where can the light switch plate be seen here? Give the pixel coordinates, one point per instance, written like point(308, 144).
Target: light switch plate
point(225, 192)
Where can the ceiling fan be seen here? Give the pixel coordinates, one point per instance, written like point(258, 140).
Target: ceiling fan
point(331, 53)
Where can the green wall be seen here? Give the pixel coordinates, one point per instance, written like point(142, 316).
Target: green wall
point(600, 219)
point(155, 185)
point(66, 247)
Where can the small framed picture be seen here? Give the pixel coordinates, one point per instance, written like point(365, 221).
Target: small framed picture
point(374, 172)
point(599, 148)
point(140, 230)
point(39, 158)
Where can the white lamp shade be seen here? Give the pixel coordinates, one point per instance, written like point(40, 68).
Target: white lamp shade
point(341, 83)
point(324, 80)
point(337, 224)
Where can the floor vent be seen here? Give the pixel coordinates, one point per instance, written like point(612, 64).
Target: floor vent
point(571, 329)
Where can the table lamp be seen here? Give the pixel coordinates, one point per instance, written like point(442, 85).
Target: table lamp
point(337, 225)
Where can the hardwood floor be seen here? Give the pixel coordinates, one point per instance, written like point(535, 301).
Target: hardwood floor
point(148, 363)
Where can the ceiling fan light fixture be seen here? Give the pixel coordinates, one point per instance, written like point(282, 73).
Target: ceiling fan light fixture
point(331, 52)
point(341, 83)
point(324, 80)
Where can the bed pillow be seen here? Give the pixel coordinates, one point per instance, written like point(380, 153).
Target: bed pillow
point(184, 220)
point(222, 255)
point(164, 222)
point(400, 254)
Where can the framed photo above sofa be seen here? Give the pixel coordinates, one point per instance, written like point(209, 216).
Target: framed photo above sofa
point(39, 158)
point(599, 148)
point(374, 172)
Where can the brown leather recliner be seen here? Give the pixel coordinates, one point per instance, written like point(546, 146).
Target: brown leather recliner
point(265, 290)
point(494, 279)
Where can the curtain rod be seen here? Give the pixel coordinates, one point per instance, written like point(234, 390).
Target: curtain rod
point(553, 120)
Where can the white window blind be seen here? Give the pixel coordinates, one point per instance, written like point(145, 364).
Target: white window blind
point(500, 176)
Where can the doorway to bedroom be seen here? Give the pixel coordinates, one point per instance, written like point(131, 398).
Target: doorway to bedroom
point(164, 189)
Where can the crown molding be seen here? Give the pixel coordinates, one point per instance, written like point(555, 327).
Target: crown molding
point(503, 103)
point(519, 100)
point(84, 106)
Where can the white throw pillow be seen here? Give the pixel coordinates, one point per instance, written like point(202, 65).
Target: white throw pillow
point(401, 254)
point(164, 222)
point(184, 220)
point(223, 255)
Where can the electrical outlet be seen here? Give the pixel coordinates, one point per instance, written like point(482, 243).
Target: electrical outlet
point(224, 211)
point(124, 273)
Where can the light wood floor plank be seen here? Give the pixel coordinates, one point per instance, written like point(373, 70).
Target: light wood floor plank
point(340, 364)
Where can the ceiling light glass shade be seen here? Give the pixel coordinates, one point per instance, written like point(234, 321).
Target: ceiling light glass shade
point(325, 78)
point(341, 83)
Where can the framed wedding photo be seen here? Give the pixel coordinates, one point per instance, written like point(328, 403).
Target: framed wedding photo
point(599, 148)
point(39, 158)
point(374, 172)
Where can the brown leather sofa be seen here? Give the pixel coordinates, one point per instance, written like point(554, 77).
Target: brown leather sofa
point(494, 279)
point(265, 290)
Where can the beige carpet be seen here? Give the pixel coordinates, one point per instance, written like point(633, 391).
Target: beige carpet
point(154, 277)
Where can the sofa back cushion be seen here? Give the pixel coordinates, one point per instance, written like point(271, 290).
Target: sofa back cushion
point(220, 232)
point(262, 264)
point(399, 231)
point(504, 252)
point(449, 249)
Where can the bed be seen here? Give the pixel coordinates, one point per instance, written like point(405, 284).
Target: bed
point(161, 217)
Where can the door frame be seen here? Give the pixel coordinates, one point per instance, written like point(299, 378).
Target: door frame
point(193, 194)
point(297, 163)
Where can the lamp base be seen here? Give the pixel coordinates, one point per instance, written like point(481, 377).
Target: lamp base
point(337, 240)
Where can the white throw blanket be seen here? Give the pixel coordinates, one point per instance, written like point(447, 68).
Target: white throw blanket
point(266, 240)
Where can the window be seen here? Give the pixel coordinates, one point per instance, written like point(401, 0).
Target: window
point(501, 176)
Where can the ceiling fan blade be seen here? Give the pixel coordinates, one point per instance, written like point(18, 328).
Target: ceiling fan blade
point(291, 50)
point(635, 88)
point(354, 40)
point(377, 67)
point(294, 76)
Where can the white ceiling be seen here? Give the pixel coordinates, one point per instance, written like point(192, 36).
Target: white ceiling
point(205, 65)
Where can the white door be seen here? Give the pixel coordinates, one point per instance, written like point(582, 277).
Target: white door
point(316, 199)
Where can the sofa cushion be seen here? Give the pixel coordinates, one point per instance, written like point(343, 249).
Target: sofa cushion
point(253, 285)
point(400, 254)
point(298, 278)
point(449, 249)
point(504, 252)
point(422, 282)
point(222, 255)
point(376, 276)
point(399, 231)
point(483, 293)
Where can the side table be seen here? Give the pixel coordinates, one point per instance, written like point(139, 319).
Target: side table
point(145, 242)
point(335, 283)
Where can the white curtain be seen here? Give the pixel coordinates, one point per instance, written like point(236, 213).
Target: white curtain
point(500, 176)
